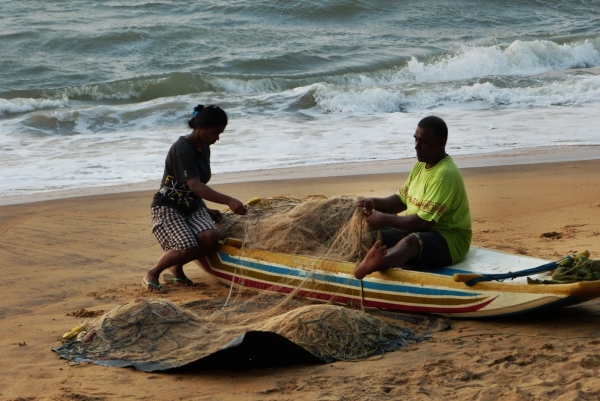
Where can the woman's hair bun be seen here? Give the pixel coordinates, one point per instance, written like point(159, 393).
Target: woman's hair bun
point(197, 109)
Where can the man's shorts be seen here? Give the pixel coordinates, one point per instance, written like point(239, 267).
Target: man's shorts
point(434, 251)
point(175, 230)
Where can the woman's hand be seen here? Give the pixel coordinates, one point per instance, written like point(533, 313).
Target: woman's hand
point(215, 215)
point(236, 206)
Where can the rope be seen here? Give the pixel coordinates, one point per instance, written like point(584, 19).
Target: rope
point(248, 207)
point(360, 257)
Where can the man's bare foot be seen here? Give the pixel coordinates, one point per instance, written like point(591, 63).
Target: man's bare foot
point(178, 277)
point(372, 261)
point(151, 283)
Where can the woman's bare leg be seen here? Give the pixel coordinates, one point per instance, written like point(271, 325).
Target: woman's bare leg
point(174, 259)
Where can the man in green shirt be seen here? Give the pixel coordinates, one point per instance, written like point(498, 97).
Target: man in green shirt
point(435, 231)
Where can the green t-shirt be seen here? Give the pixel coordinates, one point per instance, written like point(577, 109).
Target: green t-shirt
point(438, 194)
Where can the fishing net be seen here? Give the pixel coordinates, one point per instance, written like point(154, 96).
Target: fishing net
point(159, 335)
point(317, 226)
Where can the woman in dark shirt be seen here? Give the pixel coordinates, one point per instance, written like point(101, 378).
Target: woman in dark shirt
point(181, 222)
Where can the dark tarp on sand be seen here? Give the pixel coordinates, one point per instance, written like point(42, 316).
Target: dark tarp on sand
point(156, 335)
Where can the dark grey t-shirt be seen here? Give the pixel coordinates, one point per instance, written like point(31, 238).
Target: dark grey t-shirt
point(184, 161)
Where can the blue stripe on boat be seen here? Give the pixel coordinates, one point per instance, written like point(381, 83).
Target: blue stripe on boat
point(334, 278)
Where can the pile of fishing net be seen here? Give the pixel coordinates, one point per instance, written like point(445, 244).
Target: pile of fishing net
point(153, 335)
point(327, 228)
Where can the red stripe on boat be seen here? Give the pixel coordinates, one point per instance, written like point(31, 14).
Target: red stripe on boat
point(250, 283)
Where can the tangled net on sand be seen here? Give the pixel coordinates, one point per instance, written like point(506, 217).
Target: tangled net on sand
point(327, 228)
point(336, 333)
point(158, 335)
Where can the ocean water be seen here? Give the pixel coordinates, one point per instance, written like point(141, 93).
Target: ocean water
point(93, 93)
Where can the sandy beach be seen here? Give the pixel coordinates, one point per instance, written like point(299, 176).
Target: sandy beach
point(61, 255)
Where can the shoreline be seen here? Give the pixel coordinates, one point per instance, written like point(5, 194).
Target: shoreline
point(524, 156)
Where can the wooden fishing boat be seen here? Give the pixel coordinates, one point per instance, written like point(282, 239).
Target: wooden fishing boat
point(452, 291)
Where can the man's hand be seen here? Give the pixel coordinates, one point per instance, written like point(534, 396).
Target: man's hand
point(376, 219)
point(215, 215)
point(367, 204)
point(236, 206)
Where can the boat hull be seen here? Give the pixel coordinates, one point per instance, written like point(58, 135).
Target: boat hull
point(397, 289)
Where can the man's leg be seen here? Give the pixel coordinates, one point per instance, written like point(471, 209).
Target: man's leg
point(381, 258)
